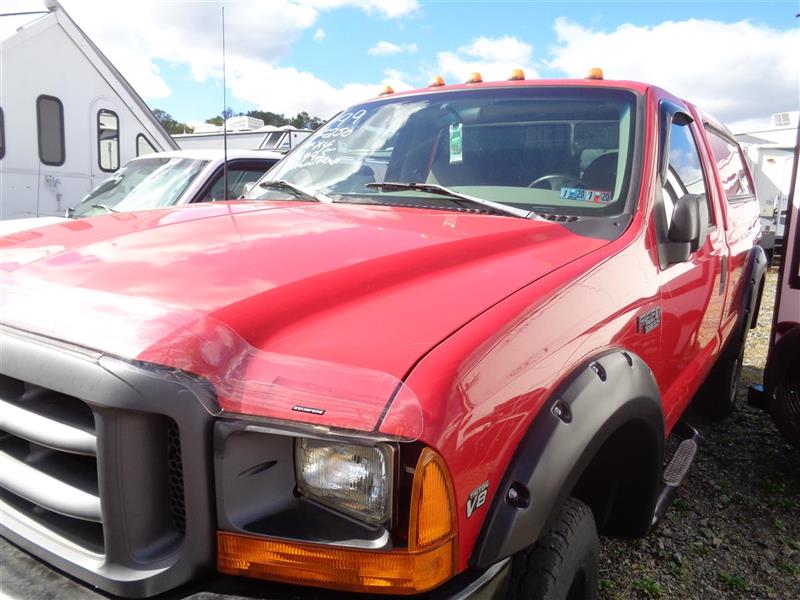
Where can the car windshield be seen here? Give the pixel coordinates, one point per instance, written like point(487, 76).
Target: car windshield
point(141, 184)
point(563, 150)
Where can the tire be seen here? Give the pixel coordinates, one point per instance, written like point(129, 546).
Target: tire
point(717, 397)
point(784, 383)
point(563, 564)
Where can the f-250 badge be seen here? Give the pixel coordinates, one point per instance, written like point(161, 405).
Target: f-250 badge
point(649, 320)
point(477, 498)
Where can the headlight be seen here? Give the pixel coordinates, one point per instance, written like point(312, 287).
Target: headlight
point(356, 480)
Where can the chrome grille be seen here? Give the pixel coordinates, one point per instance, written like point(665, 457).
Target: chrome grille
point(48, 460)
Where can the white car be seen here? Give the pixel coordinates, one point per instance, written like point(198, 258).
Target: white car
point(165, 179)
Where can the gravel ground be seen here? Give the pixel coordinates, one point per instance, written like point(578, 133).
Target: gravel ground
point(733, 530)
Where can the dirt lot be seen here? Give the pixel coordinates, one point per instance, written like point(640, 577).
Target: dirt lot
point(734, 528)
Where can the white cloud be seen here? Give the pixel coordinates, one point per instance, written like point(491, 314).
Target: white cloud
point(736, 71)
point(396, 75)
point(135, 33)
point(493, 58)
point(383, 48)
point(288, 90)
point(319, 34)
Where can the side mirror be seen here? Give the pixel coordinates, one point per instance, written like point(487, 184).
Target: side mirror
point(247, 187)
point(688, 228)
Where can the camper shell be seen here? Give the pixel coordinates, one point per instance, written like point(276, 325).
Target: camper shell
point(242, 136)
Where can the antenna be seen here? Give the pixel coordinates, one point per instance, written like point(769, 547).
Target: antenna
point(224, 114)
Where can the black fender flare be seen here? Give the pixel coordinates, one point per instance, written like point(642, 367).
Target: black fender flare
point(755, 270)
point(605, 393)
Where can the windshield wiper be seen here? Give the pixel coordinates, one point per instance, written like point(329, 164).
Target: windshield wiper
point(105, 207)
point(430, 188)
point(296, 190)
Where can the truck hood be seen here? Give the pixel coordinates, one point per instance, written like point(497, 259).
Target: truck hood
point(372, 287)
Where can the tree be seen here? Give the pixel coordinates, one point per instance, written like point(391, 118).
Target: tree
point(171, 125)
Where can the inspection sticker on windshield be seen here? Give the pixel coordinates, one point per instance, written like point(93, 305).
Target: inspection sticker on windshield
point(456, 144)
point(593, 196)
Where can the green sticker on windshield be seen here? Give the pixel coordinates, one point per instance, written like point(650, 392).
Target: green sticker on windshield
point(456, 144)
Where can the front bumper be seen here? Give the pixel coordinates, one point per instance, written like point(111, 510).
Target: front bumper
point(25, 577)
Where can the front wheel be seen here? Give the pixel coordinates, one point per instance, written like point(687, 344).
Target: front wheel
point(563, 564)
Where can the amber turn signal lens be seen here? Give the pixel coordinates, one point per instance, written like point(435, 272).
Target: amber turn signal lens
point(395, 572)
point(432, 502)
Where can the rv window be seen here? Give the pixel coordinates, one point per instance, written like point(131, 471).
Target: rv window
point(107, 140)
point(50, 130)
point(143, 146)
point(2, 134)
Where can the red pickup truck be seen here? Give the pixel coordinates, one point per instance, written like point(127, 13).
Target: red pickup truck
point(437, 351)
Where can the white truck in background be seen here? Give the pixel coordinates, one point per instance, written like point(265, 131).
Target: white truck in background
point(164, 179)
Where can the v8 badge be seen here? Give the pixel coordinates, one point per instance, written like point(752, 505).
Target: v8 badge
point(477, 498)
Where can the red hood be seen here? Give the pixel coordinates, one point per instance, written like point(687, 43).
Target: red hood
point(282, 307)
point(371, 286)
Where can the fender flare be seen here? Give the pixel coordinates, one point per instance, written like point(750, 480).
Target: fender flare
point(755, 271)
point(605, 393)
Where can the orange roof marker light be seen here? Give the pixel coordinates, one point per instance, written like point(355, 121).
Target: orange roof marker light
point(517, 75)
point(595, 73)
point(436, 81)
point(387, 89)
point(475, 77)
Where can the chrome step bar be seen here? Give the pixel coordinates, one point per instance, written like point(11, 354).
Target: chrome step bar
point(46, 431)
point(47, 491)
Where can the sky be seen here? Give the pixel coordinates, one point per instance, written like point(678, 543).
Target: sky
point(737, 59)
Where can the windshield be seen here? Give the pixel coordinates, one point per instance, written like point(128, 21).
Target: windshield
point(564, 150)
point(142, 183)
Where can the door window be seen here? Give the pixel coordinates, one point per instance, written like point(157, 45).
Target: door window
point(685, 174)
point(731, 167)
point(238, 177)
point(107, 140)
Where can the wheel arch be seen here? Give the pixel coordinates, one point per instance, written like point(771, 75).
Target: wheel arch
point(587, 424)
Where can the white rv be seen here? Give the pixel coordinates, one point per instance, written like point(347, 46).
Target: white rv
point(771, 151)
point(244, 133)
point(68, 118)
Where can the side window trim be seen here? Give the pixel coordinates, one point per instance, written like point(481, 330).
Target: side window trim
point(113, 169)
point(61, 130)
